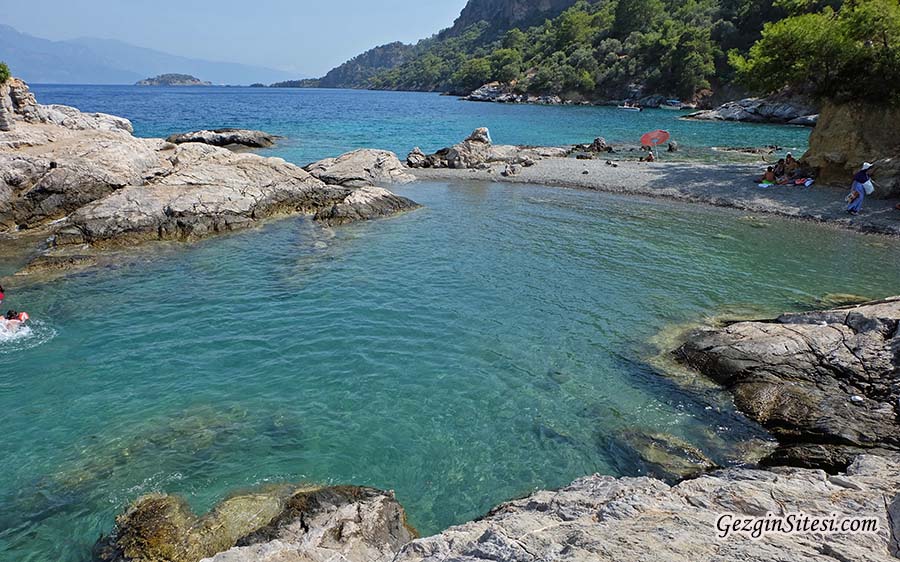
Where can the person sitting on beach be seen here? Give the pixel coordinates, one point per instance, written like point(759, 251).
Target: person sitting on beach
point(649, 158)
point(791, 166)
point(780, 171)
point(768, 177)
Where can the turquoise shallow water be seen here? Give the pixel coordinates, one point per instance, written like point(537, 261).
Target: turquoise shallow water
point(486, 345)
point(491, 343)
point(322, 123)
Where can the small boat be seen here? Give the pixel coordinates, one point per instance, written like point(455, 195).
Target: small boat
point(630, 107)
point(675, 105)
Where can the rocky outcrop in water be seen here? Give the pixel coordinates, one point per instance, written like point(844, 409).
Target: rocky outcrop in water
point(361, 167)
point(203, 190)
point(826, 384)
point(478, 151)
point(776, 109)
point(86, 179)
point(226, 138)
point(283, 523)
point(496, 92)
point(850, 134)
point(596, 518)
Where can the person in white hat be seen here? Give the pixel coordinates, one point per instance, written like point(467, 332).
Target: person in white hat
point(858, 190)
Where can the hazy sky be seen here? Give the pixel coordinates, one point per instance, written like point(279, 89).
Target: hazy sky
point(303, 36)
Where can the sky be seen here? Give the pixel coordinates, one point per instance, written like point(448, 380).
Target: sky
point(305, 37)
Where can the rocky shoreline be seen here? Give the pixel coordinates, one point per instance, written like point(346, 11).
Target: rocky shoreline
point(88, 185)
point(825, 383)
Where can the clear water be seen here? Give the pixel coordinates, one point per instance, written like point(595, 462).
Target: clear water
point(486, 345)
point(322, 123)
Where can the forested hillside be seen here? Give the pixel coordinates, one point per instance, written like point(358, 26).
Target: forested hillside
point(600, 49)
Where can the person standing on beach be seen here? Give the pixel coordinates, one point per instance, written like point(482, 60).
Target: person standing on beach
point(858, 190)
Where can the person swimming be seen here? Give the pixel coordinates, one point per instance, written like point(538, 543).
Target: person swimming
point(14, 319)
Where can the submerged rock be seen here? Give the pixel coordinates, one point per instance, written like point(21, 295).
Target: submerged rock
point(663, 456)
point(283, 523)
point(226, 137)
point(798, 375)
point(361, 168)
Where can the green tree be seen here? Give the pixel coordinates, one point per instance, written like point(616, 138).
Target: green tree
point(4, 72)
point(515, 39)
point(693, 62)
point(506, 64)
point(473, 73)
point(852, 54)
point(636, 15)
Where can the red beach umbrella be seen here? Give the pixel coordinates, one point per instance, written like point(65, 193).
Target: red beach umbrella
point(655, 138)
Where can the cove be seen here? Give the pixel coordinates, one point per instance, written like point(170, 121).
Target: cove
point(489, 344)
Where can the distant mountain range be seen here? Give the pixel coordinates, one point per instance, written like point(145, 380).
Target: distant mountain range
point(107, 61)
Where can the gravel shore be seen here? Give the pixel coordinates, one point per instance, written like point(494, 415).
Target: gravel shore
point(722, 185)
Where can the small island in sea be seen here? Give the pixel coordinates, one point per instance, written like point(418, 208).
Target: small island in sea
point(173, 80)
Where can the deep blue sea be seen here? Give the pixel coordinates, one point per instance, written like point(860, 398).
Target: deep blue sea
point(318, 124)
point(496, 341)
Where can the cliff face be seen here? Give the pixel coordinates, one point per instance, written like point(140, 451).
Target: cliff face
point(848, 135)
point(506, 14)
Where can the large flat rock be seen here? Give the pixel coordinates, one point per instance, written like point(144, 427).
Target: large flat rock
point(826, 384)
point(361, 167)
point(85, 179)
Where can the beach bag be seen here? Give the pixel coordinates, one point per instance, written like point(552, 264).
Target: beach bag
point(869, 187)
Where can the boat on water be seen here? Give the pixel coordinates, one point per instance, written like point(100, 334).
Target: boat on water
point(674, 105)
point(630, 107)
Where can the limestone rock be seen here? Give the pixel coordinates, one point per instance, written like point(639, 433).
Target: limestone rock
point(361, 168)
point(71, 118)
point(360, 522)
point(208, 190)
point(7, 114)
point(477, 152)
point(600, 518)
point(345, 523)
point(798, 375)
point(416, 158)
point(848, 135)
point(504, 93)
point(226, 137)
point(775, 109)
point(365, 203)
point(53, 181)
point(887, 176)
point(87, 180)
point(481, 134)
